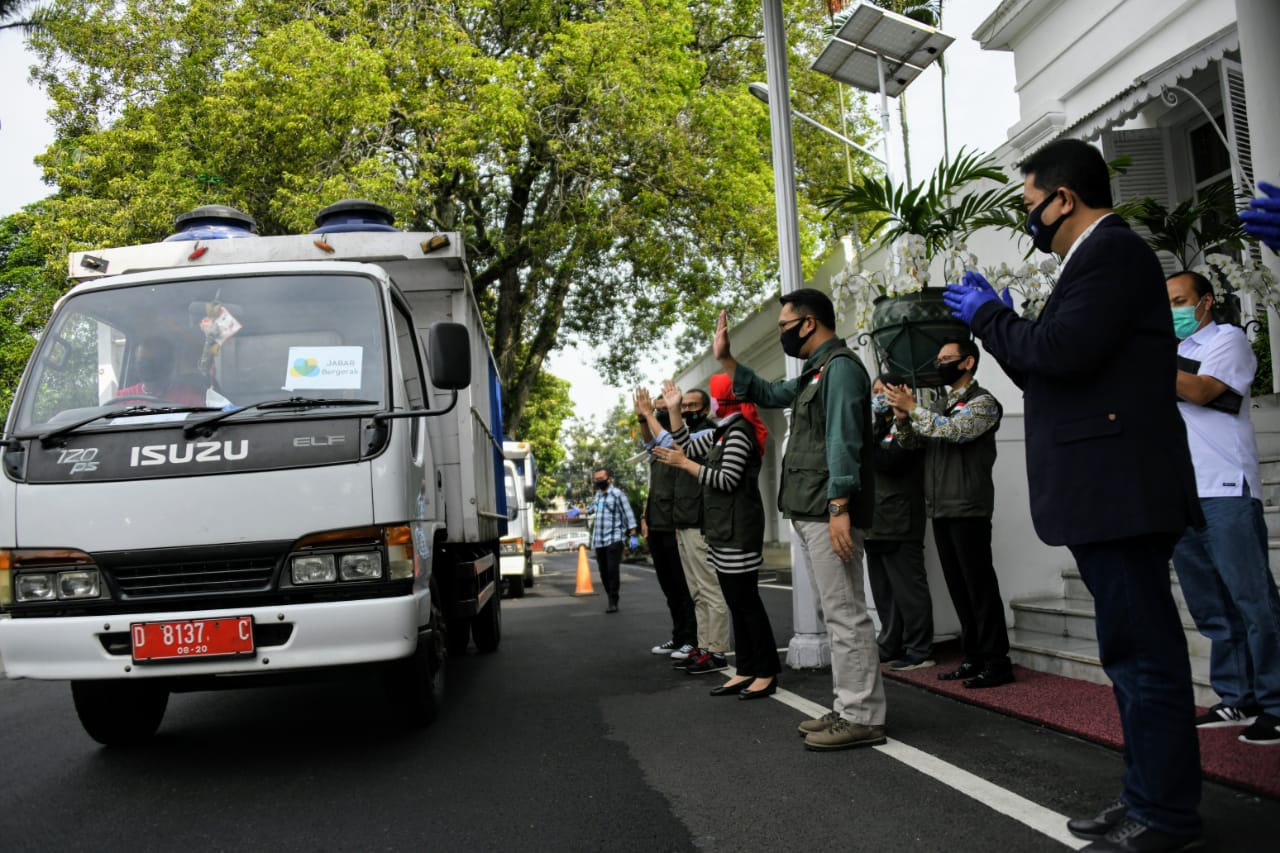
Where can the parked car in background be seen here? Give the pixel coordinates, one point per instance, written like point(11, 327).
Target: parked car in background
point(567, 542)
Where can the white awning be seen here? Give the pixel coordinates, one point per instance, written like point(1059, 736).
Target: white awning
point(1126, 103)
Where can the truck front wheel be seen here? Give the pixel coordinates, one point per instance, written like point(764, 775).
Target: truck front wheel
point(417, 682)
point(116, 713)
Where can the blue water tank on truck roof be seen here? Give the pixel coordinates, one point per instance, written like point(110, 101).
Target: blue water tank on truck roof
point(354, 214)
point(213, 222)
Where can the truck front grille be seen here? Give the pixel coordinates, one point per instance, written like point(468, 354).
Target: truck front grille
point(210, 571)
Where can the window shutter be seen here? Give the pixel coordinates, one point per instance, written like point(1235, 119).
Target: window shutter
point(1237, 121)
point(1147, 176)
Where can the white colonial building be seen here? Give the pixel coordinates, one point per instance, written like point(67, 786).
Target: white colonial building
point(1188, 90)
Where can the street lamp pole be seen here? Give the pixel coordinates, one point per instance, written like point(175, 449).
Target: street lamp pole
point(810, 647)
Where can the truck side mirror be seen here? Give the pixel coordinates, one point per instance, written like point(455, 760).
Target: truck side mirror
point(449, 351)
point(530, 493)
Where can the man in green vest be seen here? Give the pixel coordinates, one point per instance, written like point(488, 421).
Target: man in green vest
point(959, 436)
point(827, 492)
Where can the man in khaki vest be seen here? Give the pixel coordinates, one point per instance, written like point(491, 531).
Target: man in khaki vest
point(827, 492)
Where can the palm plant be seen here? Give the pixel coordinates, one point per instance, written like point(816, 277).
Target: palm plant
point(11, 15)
point(1192, 228)
point(937, 210)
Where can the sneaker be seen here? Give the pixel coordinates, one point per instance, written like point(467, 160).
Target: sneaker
point(1265, 731)
point(689, 658)
point(683, 652)
point(912, 662)
point(821, 724)
point(845, 735)
point(664, 648)
point(1221, 716)
point(1129, 836)
point(707, 662)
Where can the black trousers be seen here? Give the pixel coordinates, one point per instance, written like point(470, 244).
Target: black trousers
point(757, 652)
point(1144, 653)
point(665, 552)
point(964, 549)
point(609, 562)
point(900, 589)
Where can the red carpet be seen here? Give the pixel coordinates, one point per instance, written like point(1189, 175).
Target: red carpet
point(1088, 711)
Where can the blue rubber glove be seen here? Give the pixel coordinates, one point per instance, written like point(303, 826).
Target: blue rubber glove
point(1262, 219)
point(1006, 297)
point(634, 542)
point(972, 293)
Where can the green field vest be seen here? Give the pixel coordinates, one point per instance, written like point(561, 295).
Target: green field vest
point(802, 494)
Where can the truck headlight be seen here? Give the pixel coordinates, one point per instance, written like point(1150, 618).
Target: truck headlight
point(35, 586)
point(78, 584)
point(318, 568)
point(511, 546)
point(365, 566)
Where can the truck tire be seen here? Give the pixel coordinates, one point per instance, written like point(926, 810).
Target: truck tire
point(486, 626)
point(119, 713)
point(528, 571)
point(416, 683)
point(458, 636)
point(515, 586)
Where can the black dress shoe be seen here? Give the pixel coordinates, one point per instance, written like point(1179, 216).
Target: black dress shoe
point(728, 689)
point(992, 676)
point(613, 606)
point(747, 695)
point(1129, 836)
point(965, 670)
point(1090, 828)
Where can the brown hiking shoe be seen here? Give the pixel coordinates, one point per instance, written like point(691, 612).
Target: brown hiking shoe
point(845, 735)
point(821, 724)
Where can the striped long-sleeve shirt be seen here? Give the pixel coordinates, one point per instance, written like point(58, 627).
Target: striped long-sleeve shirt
point(726, 478)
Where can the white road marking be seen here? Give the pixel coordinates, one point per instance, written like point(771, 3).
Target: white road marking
point(1045, 821)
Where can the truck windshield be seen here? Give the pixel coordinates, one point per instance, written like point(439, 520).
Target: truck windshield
point(186, 347)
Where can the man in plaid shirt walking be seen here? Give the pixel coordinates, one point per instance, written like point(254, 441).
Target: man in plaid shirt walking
point(614, 523)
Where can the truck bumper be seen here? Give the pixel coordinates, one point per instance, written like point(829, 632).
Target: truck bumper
point(511, 564)
point(300, 636)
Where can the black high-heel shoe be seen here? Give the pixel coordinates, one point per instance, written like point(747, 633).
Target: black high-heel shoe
point(748, 695)
point(727, 689)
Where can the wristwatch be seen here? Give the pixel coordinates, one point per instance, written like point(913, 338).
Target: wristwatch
point(835, 509)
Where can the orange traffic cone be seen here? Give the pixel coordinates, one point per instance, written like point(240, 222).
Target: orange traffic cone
point(584, 574)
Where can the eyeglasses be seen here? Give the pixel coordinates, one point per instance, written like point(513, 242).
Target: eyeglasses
point(938, 362)
point(690, 407)
point(787, 324)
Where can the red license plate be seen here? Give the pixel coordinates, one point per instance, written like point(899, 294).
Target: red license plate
point(192, 638)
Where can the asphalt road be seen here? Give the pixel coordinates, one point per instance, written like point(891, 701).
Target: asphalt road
point(572, 737)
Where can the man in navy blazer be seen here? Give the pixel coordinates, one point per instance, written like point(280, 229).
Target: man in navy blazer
point(1109, 472)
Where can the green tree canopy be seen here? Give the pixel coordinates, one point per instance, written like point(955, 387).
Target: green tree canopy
point(603, 160)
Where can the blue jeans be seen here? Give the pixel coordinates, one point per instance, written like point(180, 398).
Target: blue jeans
point(1144, 653)
point(1226, 580)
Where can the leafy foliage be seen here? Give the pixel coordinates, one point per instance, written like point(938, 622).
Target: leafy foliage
point(935, 210)
point(1191, 228)
point(602, 160)
point(548, 408)
point(28, 289)
point(613, 444)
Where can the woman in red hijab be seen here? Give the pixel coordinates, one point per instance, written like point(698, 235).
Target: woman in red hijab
point(733, 524)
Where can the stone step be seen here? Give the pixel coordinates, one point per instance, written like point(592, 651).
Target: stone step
point(1271, 515)
point(1078, 658)
point(1268, 442)
point(1070, 618)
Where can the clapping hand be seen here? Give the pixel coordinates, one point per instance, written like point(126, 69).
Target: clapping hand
point(901, 399)
point(972, 293)
point(1262, 218)
point(674, 456)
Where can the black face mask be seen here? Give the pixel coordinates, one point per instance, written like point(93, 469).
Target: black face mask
point(664, 418)
point(694, 420)
point(1041, 234)
point(951, 371)
point(792, 341)
point(601, 485)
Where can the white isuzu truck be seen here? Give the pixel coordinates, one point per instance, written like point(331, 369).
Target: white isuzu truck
point(235, 459)
point(516, 548)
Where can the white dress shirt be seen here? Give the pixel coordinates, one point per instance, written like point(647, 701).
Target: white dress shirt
point(1223, 447)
